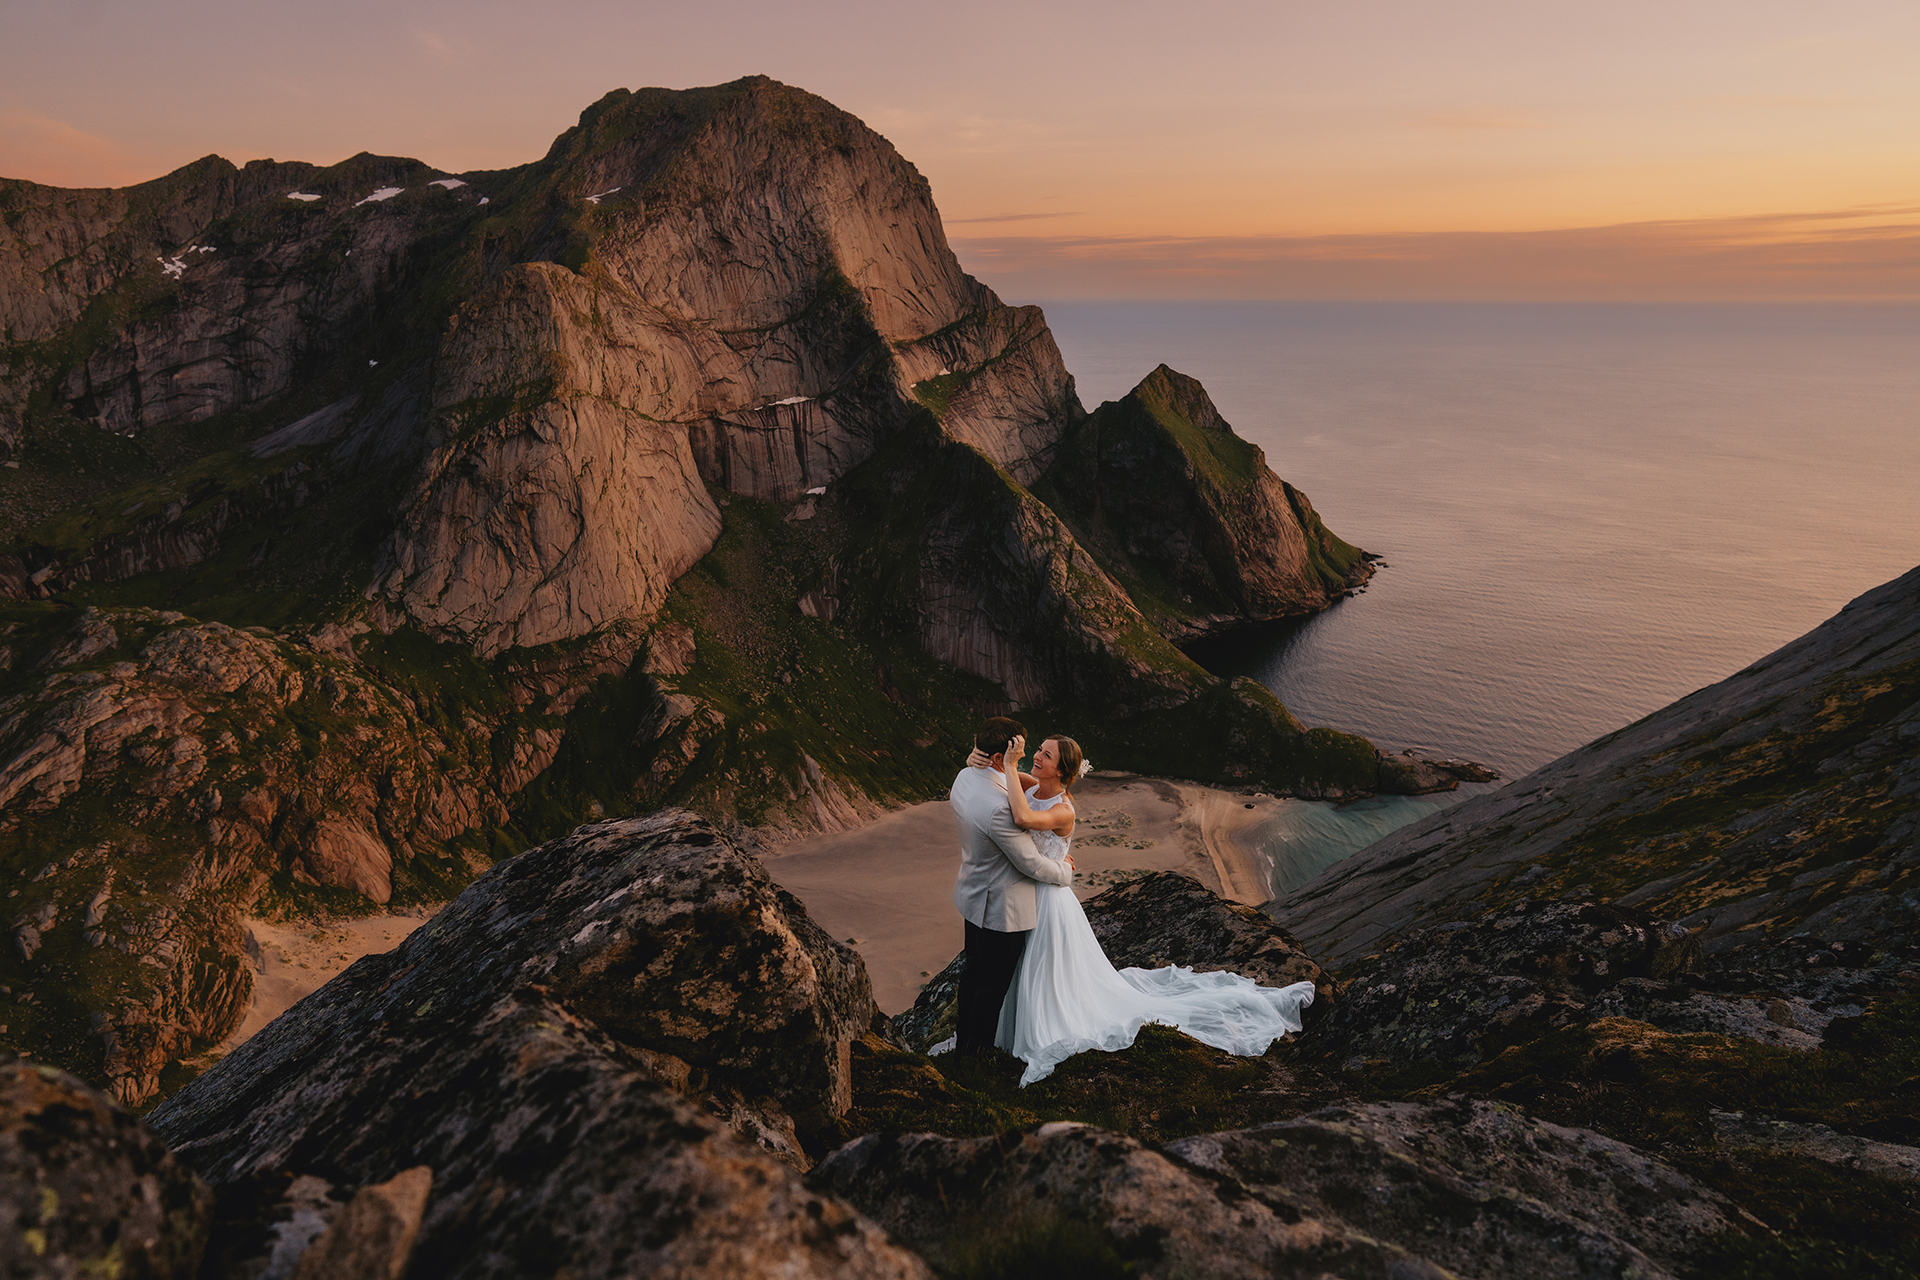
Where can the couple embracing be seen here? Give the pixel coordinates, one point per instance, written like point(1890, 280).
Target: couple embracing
point(1036, 982)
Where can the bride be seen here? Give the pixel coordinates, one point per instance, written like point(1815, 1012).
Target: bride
point(1067, 997)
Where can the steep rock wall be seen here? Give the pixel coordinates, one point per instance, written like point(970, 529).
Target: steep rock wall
point(763, 282)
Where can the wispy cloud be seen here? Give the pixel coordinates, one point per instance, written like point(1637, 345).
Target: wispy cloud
point(1015, 217)
point(435, 45)
point(1867, 252)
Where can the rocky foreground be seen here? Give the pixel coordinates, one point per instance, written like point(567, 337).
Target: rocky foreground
point(629, 1052)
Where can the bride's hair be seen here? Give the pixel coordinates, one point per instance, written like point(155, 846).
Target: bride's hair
point(1070, 758)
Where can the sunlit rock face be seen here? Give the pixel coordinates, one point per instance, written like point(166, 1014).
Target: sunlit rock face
point(762, 283)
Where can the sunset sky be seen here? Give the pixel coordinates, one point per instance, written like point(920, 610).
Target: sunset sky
point(1375, 148)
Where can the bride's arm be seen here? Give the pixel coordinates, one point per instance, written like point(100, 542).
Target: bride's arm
point(978, 759)
point(1025, 816)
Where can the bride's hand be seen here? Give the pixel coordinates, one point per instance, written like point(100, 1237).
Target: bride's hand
point(978, 759)
point(1016, 752)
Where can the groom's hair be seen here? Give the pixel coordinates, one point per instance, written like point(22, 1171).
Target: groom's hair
point(996, 733)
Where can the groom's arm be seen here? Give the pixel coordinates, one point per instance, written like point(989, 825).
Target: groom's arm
point(1017, 845)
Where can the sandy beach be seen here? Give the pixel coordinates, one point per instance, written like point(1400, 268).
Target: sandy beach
point(886, 888)
point(293, 959)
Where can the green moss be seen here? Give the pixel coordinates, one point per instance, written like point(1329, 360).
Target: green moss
point(937, 392)
point(1229, 463)
point(1691, 811)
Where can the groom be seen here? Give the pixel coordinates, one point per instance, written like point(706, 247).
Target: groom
point(994, 891)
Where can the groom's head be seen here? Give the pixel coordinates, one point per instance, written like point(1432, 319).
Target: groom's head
point(996, 733)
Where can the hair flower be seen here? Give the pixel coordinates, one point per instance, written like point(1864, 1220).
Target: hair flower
point(1086, 767)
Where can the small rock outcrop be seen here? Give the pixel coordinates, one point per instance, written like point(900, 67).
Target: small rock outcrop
point(86, 1189)
point(1167, 918)
point(556, 1046)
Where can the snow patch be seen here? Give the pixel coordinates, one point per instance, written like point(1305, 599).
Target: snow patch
point(384, 193)
point(817, 492)
point(794, 400)
point(602, 196)
point(300, 195)
point(485, 200)
point(176, 267)
point(448, 183)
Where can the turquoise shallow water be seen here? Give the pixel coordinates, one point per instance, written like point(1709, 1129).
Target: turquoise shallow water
point(1587, 511)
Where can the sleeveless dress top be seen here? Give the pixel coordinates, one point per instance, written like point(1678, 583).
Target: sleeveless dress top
point(1067, 998)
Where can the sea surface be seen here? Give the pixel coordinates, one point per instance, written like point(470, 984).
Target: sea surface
point(1586, 510)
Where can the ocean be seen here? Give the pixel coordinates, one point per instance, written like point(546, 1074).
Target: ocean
point(1586, 510)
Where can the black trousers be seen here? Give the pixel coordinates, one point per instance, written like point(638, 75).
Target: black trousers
point(992, 957)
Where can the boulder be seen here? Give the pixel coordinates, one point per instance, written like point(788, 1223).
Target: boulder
point(342, 853)
point(1068, 1199)
point(1477, 1187)
point(373, 1236)
point(86, 1189)
point(554, 1045)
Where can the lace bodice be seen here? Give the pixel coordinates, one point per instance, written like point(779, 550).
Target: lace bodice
point(1051, 844)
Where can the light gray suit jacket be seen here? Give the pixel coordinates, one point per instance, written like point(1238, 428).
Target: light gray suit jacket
point(998, 863)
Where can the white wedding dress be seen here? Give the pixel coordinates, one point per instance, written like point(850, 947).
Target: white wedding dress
point(1067, 997)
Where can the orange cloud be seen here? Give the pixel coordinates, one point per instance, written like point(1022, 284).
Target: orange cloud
point(1863, 253)
point(1016, 217)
